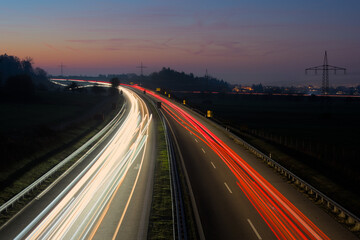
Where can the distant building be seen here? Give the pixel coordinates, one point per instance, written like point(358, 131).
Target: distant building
point(236, 88)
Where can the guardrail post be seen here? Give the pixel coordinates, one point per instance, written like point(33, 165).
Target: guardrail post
point(350, 220)
point(320, 198)
point(356, 227)
point(342, 214)
point(335, 209)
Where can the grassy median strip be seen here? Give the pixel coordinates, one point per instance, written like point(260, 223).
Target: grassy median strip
point(161, 222)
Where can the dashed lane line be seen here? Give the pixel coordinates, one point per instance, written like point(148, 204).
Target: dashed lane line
point(227, 187)
point(254, 229)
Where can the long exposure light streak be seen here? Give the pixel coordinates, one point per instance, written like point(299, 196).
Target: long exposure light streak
point(79, 209)
point(282, 217)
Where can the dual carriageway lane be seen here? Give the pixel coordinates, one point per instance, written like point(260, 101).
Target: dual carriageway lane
point(236, 197)
point(240, 196)
point(107, 196)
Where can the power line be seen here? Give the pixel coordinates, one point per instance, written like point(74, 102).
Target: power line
point(325, 68)
point(207, 79)
point(141, 68)
point(62, 66)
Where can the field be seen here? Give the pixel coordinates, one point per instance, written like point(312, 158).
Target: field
point(35, 136)
point(315, 137)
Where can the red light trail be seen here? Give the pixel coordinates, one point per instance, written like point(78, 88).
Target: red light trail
point(282, 217)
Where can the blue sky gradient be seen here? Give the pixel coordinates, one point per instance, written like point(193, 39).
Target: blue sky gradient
point(239, 41)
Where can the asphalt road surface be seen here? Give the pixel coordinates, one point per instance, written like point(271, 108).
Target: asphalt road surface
point(106, 196)
point(238, 196)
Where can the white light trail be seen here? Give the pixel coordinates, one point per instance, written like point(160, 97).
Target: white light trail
point(74, 213)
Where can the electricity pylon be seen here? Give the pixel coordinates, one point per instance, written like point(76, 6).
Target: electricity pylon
point(141, 72)
point(325, 68)
point(141, 68)
point(62, 69)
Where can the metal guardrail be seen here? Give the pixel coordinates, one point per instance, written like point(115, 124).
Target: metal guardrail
point(349, 218)
point(176, 192)
point(32, 186)
point(180, 230)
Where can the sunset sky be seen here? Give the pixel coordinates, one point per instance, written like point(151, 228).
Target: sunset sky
point(240, 41)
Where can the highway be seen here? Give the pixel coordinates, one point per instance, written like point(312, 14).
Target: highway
point(107, 196)
point(236, 195)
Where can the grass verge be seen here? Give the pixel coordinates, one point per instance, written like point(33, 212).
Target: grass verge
point(334, 191)
point(72, 138)
point(286, 158)
point(161, 221)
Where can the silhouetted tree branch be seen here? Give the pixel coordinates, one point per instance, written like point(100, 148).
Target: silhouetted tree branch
point(115, 82)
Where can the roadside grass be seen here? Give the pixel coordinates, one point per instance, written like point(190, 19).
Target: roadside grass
point(33, 132)
point(314, 137)
point(16, 177)
point(48, 109)
point(161, 221)
point(345, 197)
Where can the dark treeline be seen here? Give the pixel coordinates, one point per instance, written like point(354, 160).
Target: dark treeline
point(175, 81)
point(41, 122)
point(18, 78)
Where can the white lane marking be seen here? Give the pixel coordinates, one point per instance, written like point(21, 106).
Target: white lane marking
point(196, 140)
point(190, 133)
point(227, 187)
point(213, 164)
point(203, 150)
point(132, 191)
point(254, 229)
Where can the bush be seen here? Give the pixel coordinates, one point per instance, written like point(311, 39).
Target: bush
point(20, 87)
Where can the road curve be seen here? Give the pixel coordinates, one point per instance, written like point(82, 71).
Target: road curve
point(236, 195)
point(117, 178)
